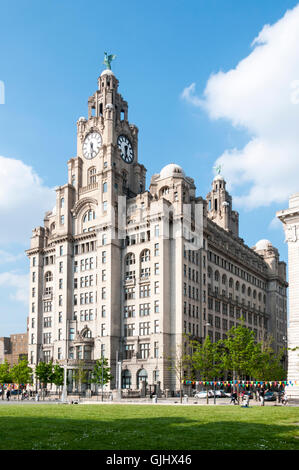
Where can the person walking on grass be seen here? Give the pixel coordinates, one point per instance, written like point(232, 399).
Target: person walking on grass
point(8, 395)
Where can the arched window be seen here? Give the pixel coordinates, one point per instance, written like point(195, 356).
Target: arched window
point(230, 282)
point(237, 285)
point(92, 175)
point(210, 272)
point(260, 297)
point(86, 333)
point(164, 191)
point(254, 294)
point(145, 256)
point(216, 275)
point(224, 279)
point(130, 259)
point(89, 215)
point(48, 276)
point(243, 288)
point(249, 292)
point(141, 377)
point(126, 379)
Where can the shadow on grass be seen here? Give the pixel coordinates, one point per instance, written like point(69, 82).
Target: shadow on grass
point(102, 431)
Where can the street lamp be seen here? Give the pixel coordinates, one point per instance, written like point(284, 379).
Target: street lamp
point(102, 384)
point(64, 390)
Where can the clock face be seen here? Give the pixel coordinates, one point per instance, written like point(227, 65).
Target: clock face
point(126, 149)
point(91, 145)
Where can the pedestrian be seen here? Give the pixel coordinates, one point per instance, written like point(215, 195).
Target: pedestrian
point(233, 398)
point(262, 397)
point(284, 399)
point(37, 397)
point(8, 395)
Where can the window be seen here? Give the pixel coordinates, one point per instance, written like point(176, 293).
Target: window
point(92, 175)
point(33, 276)
point(59, 333)
point(130, 259)
point(104, 258)
point(129, 329)
point(48, 276)
point(47, 322)
point(145, 291)
point(145, 256)
point(48, 306)
point(61, 202)
point(156, 326)
point(62, 219)
point(157, 231)
point(144, 349)
point(105, 187)
point(129, 311)
point(156, 306)
point(156, 268)
point(156, 249)
point(60, 283)
point(60, 317)
point(47, 338)
point(61, 250)
point(103, 329)
point(71, 334)
point(105, 206)
point(104, 292)
point(71, 353)
point(157, 287)
point(156, 349)
point(144, 310)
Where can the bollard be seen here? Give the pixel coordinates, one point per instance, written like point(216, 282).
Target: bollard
point(154, 399)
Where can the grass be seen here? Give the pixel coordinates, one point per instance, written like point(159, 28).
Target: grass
point(148, 427)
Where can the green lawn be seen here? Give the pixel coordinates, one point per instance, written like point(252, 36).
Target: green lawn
point(130, 427)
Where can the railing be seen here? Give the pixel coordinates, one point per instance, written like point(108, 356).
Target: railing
point(88, 188)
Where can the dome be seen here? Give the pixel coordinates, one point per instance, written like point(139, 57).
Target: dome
point(218, 178)
point(82, 118)
point(172, 170)
point(107, 72)
point(263, 244)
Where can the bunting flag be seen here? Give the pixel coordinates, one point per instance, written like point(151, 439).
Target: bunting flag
point(241, 382)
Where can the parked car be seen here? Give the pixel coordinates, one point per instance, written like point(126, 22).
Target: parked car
point(203, 394)
point(249, 393)
point(221, 394)
point(16, 392)
point(270, 396)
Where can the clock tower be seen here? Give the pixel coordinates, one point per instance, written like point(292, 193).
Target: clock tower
point(107, 145)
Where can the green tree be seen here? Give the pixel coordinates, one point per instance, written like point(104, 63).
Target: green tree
point(81, 374)
point(21, 373)
point(267, 365)
point(240, 352)
point(57, 376)
point(44, 373)
point(101, 373)
point(206, 360)
point(5, 376)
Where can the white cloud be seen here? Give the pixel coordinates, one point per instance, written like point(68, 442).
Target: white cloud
point(23, 201)
point(260, 95)
point(19, 283)
point(6, 257)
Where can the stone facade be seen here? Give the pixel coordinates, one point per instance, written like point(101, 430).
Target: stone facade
point(124, 272)
point(13, 348)
point(290, 219)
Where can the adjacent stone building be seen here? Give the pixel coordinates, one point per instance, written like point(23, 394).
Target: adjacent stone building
point(14, 348)
point(290, 219)
point(122, 272)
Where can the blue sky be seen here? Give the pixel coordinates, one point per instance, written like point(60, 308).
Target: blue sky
point(51, 55)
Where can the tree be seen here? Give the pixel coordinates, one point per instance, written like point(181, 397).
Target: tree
point(21, 373)
point(267, 365)
point(179, 361)
point(101, 373)
point(206, 360)
point(240, 351)
point(5, 376)
point(81, 374)
point(44, 373)
point(57, 376)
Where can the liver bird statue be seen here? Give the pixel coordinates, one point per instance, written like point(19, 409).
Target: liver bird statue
point(108, 59)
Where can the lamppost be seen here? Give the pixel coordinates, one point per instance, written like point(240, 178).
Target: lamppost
point(64, 390)
point(102, 381)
